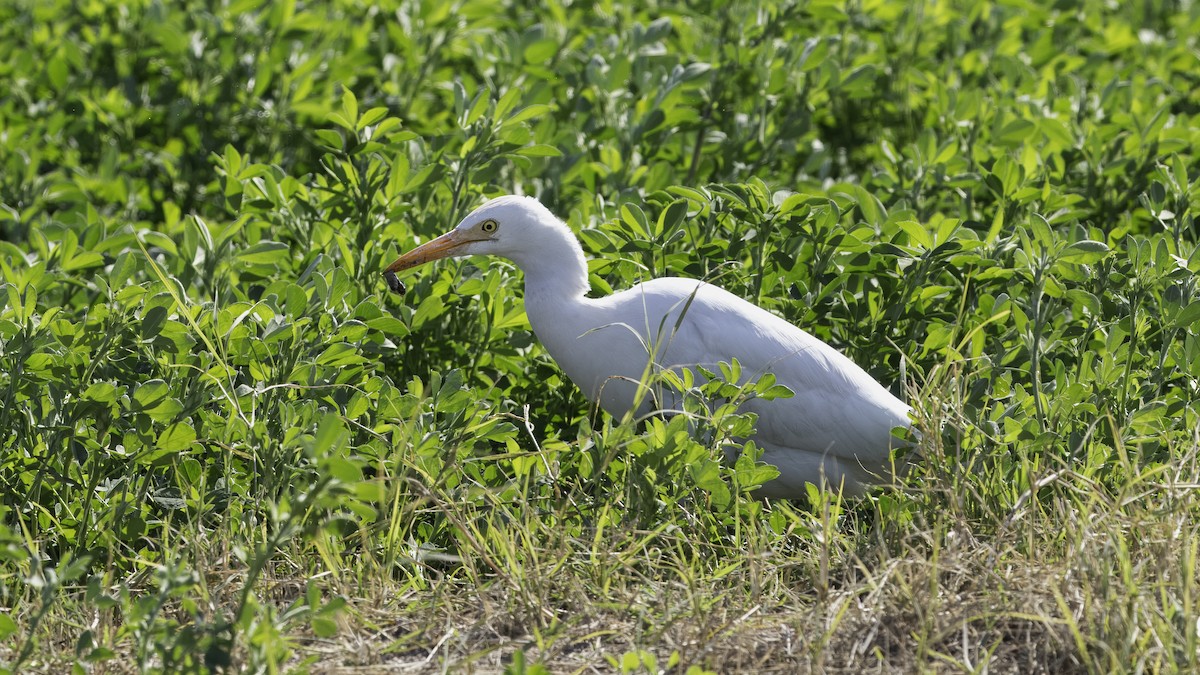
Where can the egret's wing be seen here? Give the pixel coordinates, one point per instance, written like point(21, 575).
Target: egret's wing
point(837, 408)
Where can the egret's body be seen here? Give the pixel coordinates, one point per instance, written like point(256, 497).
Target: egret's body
point(837, 428)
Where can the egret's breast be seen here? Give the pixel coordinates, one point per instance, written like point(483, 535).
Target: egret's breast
point(603, 347)
point(607, 361)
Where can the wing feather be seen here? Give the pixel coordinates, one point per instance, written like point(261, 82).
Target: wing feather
point(837, 408)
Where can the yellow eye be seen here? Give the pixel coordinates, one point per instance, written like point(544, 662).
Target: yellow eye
point(488, 226)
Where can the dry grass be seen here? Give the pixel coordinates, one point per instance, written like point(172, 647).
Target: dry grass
point(1115, 591)
point(1108, 586)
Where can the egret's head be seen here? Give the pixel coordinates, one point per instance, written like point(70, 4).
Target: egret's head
point(517, 228)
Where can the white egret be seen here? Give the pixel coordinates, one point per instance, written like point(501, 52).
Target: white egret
point(836, 429)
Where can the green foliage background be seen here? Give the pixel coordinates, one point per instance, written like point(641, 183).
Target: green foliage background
point(990, 203)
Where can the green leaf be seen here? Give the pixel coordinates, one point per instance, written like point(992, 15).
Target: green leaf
point(539, 150)
point(917, 234)
point(331, 434)
point(1057, 133)
point(1086, 251)
point(370, 117)
point(101, 392)
point(265, 253)
point(1015, 133)
point(528, 112)
point(177, 437)
point(390, 325)
point(506, 103)
point(8, 627)
point(153, 322)
point(350, 107)
point(813, 47)
point(340, 468)
point(160, 241)
point(1188, 316)
point(332, 139)
point(671, 217)
point(165, 411)
point(340, 354)
point(707, 475)
point(150, 393)
point(232, 162)
point(540, 51)
point(58, 71)
point(479, 105)
point(633, 216)
point(1042, 233)
point(83, 261)
point(324, 627)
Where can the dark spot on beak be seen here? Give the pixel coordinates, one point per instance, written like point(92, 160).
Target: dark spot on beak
point(394, 282)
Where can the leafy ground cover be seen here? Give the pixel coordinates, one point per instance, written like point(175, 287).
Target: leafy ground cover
point(226, 446)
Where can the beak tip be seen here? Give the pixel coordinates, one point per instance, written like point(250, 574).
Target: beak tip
point(394, 282)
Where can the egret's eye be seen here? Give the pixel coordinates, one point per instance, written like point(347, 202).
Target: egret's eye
point(488, 226)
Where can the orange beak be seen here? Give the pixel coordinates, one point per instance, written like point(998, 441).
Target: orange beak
point(436, 249)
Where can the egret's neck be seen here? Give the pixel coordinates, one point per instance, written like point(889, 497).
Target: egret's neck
point(556, 268)
point(555, 277)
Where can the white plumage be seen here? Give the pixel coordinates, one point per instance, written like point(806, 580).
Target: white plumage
point(838, 425)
